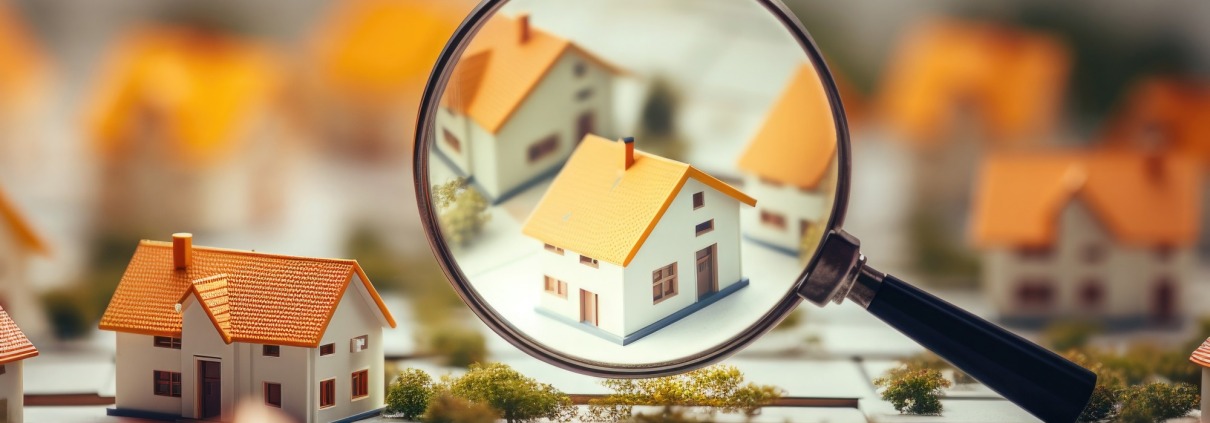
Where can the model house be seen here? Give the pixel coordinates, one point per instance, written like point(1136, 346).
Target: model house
point(369, 62)
point(790, 165)
point(14, 349)
point(201, 328)
point(634, 242)
point(188, 129)
point(1201, 357)
point(19, 245)
point(518, 102)
point(24, 77)
point(1105, 236)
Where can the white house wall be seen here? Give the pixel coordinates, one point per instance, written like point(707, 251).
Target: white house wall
point(603, 281)
point(795, 204)
point(355, 315)
point(12, 390)
point(291, 369)
point(478, 147)
point(136, 360)
point(1128, 273)
point(201, 341)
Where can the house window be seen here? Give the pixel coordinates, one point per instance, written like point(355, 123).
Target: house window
point(359, 343)
point(1092, 293)
point(273, 394)
point(451, 140)
point(167, 384)
point(1035, 293)
point(327, 349)
point(581, 68)
point(554, 249)
point(543, 148)
point(270, 351)
point(1094, 253)
point(589, 261)
point(3, 369)
point(663, 283)
point(705, 227)
point(774, 220)
point(361, 384)
point(770, 182)
point(1033, 253)
point(168, 342)
point(556, 287)
point(699, 200)
point(584, 94)
point(327, 393)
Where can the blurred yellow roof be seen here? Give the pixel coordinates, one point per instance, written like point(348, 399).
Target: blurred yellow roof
point(21, 60)
point(200, 87)
point(20, 227)
point(1014, 79)
point(377, 49)
point(1140, 199)
point(797, 141)
point(1168, 113)
point(596, 208)
point(499, 69)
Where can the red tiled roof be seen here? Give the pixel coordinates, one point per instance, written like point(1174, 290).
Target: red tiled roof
point(271, 299)
point(13, 343)
point(1201, 356)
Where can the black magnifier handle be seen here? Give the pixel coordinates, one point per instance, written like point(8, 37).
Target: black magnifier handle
point(1039, 381)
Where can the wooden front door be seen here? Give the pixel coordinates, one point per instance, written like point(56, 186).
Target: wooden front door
point(585, 125)
point(210, 389)
point(588, 307)
point(707, 280)
point(1164, 301)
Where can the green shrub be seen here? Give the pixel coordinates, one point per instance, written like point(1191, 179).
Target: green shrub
point(409, 394)
point(457, 346)
point(68, 313)
point(718, 387)
point(461, 211)
point(1063, 336)
point(1157, 402)
point(1103, 404)
point(914, 391)
point(513, 396)
point(446, 408)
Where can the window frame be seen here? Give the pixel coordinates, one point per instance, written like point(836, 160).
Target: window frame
point(554, 286)
point(328, 400)
point(169, 342)
point(699, 200)
point(365, 344)
point(553, 249)
point(542, 148)
point(270, 350)
point(661, 281)
point(590, 262)
point(172, 383)
point(265, 390)
point(704, 228)
point(584, 94)
point(363, 386)
point(773, 220)
point(327, 349)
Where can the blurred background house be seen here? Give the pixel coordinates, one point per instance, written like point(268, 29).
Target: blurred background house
point(25, 81)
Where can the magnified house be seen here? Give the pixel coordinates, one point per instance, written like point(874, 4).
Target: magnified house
point(518, 102)
point(634, 242)
point(200, 328)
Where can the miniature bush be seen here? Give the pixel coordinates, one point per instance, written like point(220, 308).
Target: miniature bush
point(1157, 402)
point(914, 392)
point(409, 394)
point(720, 387)
point(928, 360)
point(658, 129)
point(459, 346)
point(67, 312)
point(1063, 336)
point(667, 415)
point(513, 396)
point(446, 408)
point(462, 211)
point(1103, 403)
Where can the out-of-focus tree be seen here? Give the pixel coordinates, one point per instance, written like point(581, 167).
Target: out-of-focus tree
point(409, 395)
point(446, 408)
point(462, 211)
point(68, 312)
point(658, 131)
point(914, 392)
point(459, 346)
point(718, 388)
point(1066, 335)
point(515, 397)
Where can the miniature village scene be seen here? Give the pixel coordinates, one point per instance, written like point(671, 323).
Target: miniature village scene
point(208, 213)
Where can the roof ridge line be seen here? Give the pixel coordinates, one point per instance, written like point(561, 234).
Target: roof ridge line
point(167, 244)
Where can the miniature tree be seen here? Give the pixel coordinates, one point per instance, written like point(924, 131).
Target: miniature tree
point(409, 395)
point(462, 211)
point(720, 387)
point(446, 408)
point(460, 346)
point(657, 121)
point(1063, 336)
point(515, 397)
point(1157, 402)
point(1103, 403)
point(914, 391)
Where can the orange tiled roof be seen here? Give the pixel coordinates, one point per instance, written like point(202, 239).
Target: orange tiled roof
point(376, 49)
point(270, 299)
point(21, 61)
point(797, 141)
point(1139, 199)
point(1173, 113)
point(17, 223)
point(13, 343)
point(1201, 356)
point(1014, 79)
point(498, 71)
point(597, 209)
point(201, 88)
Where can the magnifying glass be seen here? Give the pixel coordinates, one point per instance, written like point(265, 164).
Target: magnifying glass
point(612, 226)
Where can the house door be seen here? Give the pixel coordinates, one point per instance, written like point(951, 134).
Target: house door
point(588, 307)
point(707, 282)
point(1164, 301)
point(209, 388)
point(585, 125)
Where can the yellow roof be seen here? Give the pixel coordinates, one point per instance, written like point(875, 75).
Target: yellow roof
point(797, 142)
point(597, 209)
point(202, 87)
point(499, 70)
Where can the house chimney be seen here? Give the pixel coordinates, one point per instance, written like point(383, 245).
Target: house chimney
point(628, 154)
point(523, 26)
point(182, 250)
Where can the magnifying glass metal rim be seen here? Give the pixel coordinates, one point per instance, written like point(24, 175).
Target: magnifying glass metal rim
point(440, 76)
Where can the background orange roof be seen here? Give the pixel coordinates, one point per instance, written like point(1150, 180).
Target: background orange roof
point(1201, 356)
point(1013, 78)
point(25, 233)
point(597, 209)
point(1165, 113)
point(1139, 199)
point(13, 343)
point(273, 299)
point(797, 141)
point(202, 87)
point(498, 71)
point(21, 60)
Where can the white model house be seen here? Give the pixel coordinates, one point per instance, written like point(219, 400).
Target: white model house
point(201, 328)
point(790, 165)
point(518, 102)
point(1201, 357)
point(634, 242)
point(14, 348)
point(19, 245)
point(1106, 236)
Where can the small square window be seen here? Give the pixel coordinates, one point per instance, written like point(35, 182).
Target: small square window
point(589, 261)
point(774, 220)
point(581, 68)
point(327, 349)
point(167, 384)
point(584, 94)
point(359, 343)
point(361, 384)
point(553, 249)
point(273, 394)
point(270, 351)
point(167, 342)
point(705, 227)
point(699, 200)
point(555, 287)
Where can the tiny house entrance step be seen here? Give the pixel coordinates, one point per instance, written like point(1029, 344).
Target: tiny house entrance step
point(210, 389)
point(707, 272)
